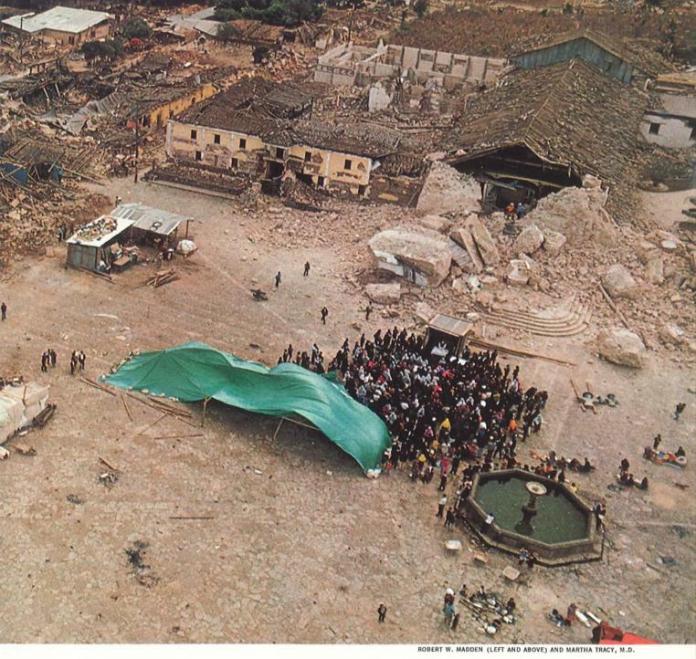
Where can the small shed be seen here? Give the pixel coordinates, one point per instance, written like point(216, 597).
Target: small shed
point(88, 246)
point(447, 335)
point(152, 225)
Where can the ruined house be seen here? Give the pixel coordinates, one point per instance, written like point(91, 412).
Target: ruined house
point(266, 130)
point(671, 120)
point(621, 59)
point(348, 65)
point(62, 25)
point(541, 130)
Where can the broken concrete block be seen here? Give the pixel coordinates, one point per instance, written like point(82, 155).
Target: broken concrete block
point(384, 293)
point(621, 346)
point(436, 223)
point(619, 282)
point(420, 255)
point(554, 242)
point(484, 241)
point(530, 240)
point(462, 236)
point(517, 273)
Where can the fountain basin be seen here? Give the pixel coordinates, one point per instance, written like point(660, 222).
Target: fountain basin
point(561, 530)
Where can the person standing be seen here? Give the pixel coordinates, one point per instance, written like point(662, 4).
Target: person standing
point(53, 357)
point(81, 358)
point(441, 506)
point(3, 311)
point(277, 279)
point(306, 269)
point(73, 363)
point(368, 310)
point(656, 442)
point(44, 361)
point(449, 518)
point(382, 612)
point(324, 314)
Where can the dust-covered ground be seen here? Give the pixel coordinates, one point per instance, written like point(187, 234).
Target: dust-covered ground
point(296, 545)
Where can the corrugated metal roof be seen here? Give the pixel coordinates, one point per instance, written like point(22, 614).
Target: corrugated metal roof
point(61, 19)
point(450, 325)
point(154, 220)
point(93, 227)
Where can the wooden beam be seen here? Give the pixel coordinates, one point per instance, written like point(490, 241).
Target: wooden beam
point(520, 353)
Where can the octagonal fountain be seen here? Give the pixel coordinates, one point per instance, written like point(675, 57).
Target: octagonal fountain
point(533, 512)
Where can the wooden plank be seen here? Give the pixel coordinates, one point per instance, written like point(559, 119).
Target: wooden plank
point(125, 405)
point(613, 307)
point(96, 385)
point(520, 353)
point(109, 465)
point(154, 423)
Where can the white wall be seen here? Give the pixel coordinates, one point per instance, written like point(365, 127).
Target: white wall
point(674, 132)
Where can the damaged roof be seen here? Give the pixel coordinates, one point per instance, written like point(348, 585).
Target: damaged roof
point(569, 114)
point(643, 58)
point(60, 19)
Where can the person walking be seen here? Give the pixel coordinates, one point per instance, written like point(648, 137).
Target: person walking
point(306, 269)
point(382, 612)
point(449, 518)
point(441, 506)
point(324, 314)
point(678, 410)
point(277, 279)
point(368, 310)
point(3, 311)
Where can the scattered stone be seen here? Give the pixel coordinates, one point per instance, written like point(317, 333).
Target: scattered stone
point(621, 346)
point(517, 273)
point(384, 293)
point(655, 270)
point(669, 245)
point(554, 242)
point(619, 282)
point(672, 333)
point(530, 240)
point(424, 311)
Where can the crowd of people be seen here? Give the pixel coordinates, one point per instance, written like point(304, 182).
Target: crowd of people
point(440, 409)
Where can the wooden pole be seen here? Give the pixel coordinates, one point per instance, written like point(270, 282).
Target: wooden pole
point(205, 410)
point(277, 430)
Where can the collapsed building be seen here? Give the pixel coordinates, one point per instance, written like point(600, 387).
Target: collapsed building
point(671, 121)
point(62, 25)
point(266, 130)
point(349, 65)
point(541, 130)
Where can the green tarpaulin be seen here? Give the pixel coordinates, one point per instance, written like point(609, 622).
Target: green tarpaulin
point(195, 371)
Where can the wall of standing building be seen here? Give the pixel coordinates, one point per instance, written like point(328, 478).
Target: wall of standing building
point(246, 153)
point(160, 114)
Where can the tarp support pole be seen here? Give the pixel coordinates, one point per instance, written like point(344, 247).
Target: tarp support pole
point(277, 430)
point(205, 409)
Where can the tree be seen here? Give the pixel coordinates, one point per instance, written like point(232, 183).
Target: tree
point(135, 27)
point(420, 7)
point(226, 32)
